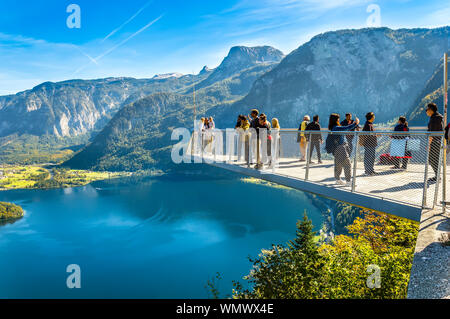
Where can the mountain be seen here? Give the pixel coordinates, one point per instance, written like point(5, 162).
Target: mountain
point(139, 135)
point(357, 71)
point(240, 58)
point(432, 93)
point(76, 107)
point(206, 70)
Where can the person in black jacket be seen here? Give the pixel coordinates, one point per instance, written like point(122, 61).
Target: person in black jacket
point(315, 138)
point(254, 119)
point(254, 124)
point(370, 143)
point(436, 124)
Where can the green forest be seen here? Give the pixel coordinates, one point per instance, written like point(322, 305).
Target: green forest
point(10, 211)
point(344, 267)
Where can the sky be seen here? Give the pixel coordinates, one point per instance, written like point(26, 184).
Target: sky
point(57, 40)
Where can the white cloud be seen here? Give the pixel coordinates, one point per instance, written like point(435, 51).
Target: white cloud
point(440, 17)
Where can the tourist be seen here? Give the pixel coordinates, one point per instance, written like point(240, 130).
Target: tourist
point(253, 118)
point(264, 125)
point(348, 120)
point(301, 139)
point(202, 124)
point(341, 150)
point(212, 125)
point(402, 126)
point(254, 124)
point(202, 129)
point(276, 126)
point(436, 124)
point(315, 138)
point(238, 122)
point(370, 143)
point(243, 140)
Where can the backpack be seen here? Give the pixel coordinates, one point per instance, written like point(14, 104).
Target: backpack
point(331, 143)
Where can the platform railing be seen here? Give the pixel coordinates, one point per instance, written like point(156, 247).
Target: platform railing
point(398, 166)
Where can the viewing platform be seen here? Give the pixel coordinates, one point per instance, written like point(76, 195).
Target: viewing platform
point(401, 192)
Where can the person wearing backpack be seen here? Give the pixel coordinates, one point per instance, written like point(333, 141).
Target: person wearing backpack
point(315, 138)
point(337, 145)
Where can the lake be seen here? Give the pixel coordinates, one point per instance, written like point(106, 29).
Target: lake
point(155, 238)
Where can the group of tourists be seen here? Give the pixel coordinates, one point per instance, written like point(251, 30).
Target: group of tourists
point(207, 123)
point(259, 123)
point(338, 143)
point(341, 145)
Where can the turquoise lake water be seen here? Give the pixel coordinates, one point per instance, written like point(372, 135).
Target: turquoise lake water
point(159, 238)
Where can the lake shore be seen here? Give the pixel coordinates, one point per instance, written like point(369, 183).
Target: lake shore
point(14, 177)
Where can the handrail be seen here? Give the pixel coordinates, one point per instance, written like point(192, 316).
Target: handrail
point(325, 131)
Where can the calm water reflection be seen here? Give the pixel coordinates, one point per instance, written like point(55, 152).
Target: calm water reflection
point(153, 239)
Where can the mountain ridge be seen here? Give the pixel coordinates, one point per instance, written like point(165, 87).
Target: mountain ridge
point(355, 71)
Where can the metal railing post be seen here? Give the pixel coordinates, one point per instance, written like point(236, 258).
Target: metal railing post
point(192, 143)
point(308, 156)
point(425, 182)
point(202, 143)
point(258, 155)
point(444, 176)
point(249, 148)
point(355, 161)
point(444, 167)
point(214, 145)
point(438, 174)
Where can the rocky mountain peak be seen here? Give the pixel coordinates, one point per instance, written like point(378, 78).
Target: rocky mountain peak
point(244, 57)
point(205, 70)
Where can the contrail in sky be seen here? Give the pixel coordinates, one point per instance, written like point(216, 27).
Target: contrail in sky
point(129, 38)
point(128, 21)
point(86, 55)
point(120, 44)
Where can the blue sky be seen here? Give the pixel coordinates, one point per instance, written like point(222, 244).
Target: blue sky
point(141, 38)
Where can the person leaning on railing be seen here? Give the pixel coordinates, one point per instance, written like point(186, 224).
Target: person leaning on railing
point(436, 124)
point(348, 120)
point(402, 126)
point(341, 150)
